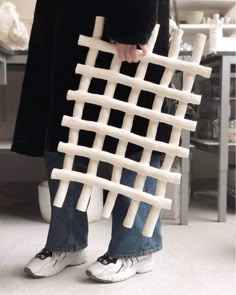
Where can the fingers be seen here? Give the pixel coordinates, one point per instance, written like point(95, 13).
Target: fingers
point(121, 51)
point(128, 56)
point(134, 53)
point(144, 49)
point(127, 53)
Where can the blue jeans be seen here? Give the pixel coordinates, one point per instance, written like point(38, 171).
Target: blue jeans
point(68, 229)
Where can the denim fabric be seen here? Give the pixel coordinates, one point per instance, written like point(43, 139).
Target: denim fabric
point(68, 229)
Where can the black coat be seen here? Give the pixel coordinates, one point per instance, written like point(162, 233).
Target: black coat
point(54, 53)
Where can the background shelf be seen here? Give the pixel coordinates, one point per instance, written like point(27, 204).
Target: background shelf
point(204, 28)
point(210, 144)
point(222, 6)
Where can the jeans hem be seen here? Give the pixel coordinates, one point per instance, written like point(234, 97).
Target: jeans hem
point(66, 249)
point(142, 253)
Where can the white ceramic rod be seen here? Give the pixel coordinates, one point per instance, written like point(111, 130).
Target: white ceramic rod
point(119, 161)
point(135, 83)
point(176, 132)
point(77, 112)
point(131, 109)
point(90, 180)
point(99, 138)
point(145, 142)
point(127, 125)
point(152, 128)
point(166, 62)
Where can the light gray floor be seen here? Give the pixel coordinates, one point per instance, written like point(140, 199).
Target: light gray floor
point(198, 259)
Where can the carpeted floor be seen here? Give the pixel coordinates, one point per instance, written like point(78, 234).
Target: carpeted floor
point(198, 259)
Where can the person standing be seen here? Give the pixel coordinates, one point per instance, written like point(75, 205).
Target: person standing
point(53, 55)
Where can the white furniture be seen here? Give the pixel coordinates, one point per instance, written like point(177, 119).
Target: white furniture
point(227, 8)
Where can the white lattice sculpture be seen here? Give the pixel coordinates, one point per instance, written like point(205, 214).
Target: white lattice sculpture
point(130, 108)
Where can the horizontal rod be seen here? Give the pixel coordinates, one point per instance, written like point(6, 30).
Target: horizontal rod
point(119, 161)
point(137, 83)
point(142, 141)
point(130, 109)
point(167, 62)
point(90, 179)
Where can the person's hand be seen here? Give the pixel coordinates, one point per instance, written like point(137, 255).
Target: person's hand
point(129, 53)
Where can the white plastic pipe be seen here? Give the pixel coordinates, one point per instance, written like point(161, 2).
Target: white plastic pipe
point(131, 109)
point(166, 62)
point(119, 161)
point(90, 179)
point(127, 125)
point(136, 83)
point(145, 142)
point(151, 132)
point(78, 108)
point(176, 133)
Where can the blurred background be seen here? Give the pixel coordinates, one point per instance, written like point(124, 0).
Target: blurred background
point(208, 183)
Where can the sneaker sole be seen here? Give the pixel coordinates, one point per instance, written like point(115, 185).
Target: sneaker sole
point(35, 276)
point(29, 272)
point(54, 271)
point(143, 267)
point(91, 276)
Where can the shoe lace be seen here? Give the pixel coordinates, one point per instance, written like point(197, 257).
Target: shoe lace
point(127, 262)
point(44, 254)
point(106, 259)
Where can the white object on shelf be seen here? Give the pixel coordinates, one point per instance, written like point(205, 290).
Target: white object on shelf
point(94, 210)
point(215, 33)
point(194, 17)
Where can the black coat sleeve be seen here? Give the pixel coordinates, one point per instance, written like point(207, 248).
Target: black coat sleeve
point(132, 21)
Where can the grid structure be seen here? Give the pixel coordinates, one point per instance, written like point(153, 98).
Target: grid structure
point(130, 108)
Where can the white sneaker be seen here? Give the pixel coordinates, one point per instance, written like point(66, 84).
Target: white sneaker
point(47, 263)
point(110, 270)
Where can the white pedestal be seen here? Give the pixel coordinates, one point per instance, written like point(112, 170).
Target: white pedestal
point(94, 210)
point(173, 193)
